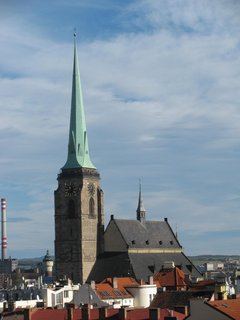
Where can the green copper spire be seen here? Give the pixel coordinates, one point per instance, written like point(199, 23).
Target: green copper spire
point(78, 153)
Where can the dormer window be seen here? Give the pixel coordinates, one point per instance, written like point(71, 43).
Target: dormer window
point(147, 241)
point(160, 242)
point(133, 241)
point(171, 242)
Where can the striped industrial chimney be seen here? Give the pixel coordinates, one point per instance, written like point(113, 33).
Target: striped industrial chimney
point(4, 230)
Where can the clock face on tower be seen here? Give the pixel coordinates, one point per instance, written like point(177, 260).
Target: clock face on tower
point(91, 189)
point(70, 189)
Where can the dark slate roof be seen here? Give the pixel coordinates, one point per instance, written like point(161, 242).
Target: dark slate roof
point(110, 265)
point(138, 265)
point(170, 299)
point(141, 235)
point(147, 264)
point(86, 295)
point(148, 234)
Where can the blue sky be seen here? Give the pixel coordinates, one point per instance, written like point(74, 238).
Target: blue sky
point(161, 84)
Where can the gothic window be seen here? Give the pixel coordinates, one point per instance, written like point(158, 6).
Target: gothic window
point(91, 208)
point(99, 203)
point(71, 209)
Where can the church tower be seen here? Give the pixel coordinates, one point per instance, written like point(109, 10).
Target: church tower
point(79, 217)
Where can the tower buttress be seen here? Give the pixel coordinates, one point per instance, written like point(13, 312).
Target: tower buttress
point(79, 216)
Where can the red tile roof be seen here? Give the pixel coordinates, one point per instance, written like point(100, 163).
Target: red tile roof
point(134, 314)
point(229, 307)
point(105, 289)
point(170, 278)
point(203, 285)
point(122, 282)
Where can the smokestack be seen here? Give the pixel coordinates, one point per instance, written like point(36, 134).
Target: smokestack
point(4, 230)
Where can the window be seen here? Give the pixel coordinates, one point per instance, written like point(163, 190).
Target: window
point(99, 202)
point(59, 299)
point(91, 208)
point(117, 293)
point(104, 293)
point(71, 209)
point(66, 294)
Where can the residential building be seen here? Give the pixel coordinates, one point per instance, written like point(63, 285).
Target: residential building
point(126, 291)
point(170, 278)
point(213, 266)
point(178, 300)
point(86, 295)
point(222, 289)
point(114, 293)
point(59, 295)
point(7, 266)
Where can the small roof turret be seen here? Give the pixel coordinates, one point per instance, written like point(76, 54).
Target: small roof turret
point(47, 257)
point(141, 212)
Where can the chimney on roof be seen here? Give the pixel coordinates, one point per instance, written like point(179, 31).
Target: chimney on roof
point(5, 306)
point(122, 313)
point(168, 265)
point(27, 314)
point(166, 219)
point(11, 306)
point(112, 216)
point(150, 279)
point(114, 282)
point(93, 286)
point(154, 314)
point(103, 313)
point(86, 312)
point(69, 313)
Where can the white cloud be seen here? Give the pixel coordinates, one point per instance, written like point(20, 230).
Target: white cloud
point(161, 103)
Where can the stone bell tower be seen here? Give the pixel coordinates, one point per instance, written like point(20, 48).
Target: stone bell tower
point(79, 216)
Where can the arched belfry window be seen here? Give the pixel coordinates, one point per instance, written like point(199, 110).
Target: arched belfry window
point(91, 208)
point(71, 209)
